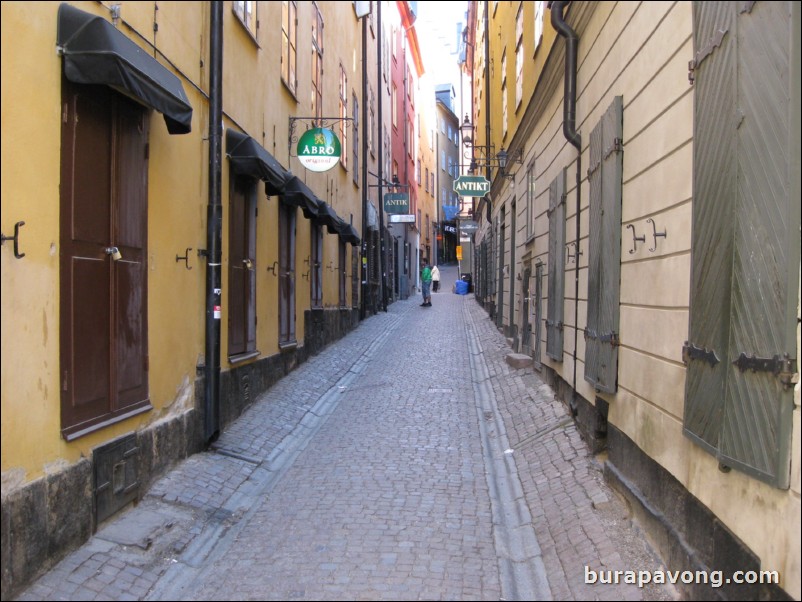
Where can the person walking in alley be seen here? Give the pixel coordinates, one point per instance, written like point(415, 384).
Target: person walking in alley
point(435, 279)
point(426, 284)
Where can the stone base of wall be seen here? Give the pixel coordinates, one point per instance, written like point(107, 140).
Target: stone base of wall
point(49, 517)
point(682, 530)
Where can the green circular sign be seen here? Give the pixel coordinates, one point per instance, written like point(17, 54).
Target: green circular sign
point(319, 149)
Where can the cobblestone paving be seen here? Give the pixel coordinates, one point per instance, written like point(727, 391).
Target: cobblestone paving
point(372, 473)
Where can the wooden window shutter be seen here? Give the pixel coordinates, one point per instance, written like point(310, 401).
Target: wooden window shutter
point(604, 258)
point(745, 245)
point(556, 302)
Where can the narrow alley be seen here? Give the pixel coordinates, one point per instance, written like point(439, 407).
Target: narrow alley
point(407, 461)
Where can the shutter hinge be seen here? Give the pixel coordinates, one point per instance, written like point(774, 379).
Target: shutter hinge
point(557, 325)
point(610, 337)
point(782, 366)
point(692, 352)
point(703, 53)
point(65, 383)
point(616, 147)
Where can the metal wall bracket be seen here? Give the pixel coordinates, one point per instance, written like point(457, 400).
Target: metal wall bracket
point(635, 239)
point(15, 238)
point(656, 234)
point(185, 258)
point(574, 257)
point(273, 268)
point(312, 122)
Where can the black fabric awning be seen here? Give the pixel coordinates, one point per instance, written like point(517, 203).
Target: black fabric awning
point(348, 233)
point(95, 52)
point(299, 194)
point(328, 217)
point(248, 157)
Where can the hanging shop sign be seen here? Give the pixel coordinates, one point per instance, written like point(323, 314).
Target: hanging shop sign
point(319, 149)
point(471, 186)
point(396, 203)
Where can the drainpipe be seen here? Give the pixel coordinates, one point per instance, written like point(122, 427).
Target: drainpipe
point(575, 139)
point(365, 134)
point(214, 226)
point(382, 281)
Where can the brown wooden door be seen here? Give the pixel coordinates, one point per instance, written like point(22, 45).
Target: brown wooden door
point(103, 294)
point(286, 285)
point(242, 267)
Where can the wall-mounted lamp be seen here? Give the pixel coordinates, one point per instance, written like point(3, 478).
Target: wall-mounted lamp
point(485, 156)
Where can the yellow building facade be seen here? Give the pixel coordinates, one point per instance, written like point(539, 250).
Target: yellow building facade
point(88, 375)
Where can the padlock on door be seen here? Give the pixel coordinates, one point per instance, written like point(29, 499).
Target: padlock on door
point(114, 252)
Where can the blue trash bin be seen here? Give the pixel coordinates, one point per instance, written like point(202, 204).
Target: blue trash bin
point(461, 287)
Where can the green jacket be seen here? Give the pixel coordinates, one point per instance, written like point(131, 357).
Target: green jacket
point(426, 275)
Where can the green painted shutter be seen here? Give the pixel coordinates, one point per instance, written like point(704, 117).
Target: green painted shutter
point(745, 252)
point(604, 256)
point(556, 302)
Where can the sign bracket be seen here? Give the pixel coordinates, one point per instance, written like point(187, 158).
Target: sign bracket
point(311, 122)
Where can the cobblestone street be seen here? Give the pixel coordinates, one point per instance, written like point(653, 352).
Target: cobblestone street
point(407, 461)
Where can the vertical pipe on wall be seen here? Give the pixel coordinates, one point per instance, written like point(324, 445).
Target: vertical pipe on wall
point(214, 226)
point(365, 99)
point(574, 138)
point(379, 38)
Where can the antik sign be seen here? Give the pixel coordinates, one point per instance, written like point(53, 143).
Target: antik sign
point(319, 149)
point(471, 186)
point(396, 203)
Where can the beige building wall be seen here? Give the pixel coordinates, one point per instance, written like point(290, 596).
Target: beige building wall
point(640, 51)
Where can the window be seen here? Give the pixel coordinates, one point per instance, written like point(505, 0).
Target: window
point(103, 295)
point(432, 186)
point(246, 13)
point(539, 6)
point(519, 56)
point(372, 123)
point(343, 117)
point(604, 249)
point(504, 93)
point(410, 138)
point(556, 301)
point(242, 268)
point(427, 180)
point(355, 145)
point(317, 62)
point(530, 200)
point(394, 107)
point(289, 40)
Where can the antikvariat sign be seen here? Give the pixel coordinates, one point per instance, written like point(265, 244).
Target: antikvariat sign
point(471, 186)
point(319, 149)
point(396, 202)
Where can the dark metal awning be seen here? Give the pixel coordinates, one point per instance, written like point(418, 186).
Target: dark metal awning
point(95, 52)
point(299, 194)
point(248, 157)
